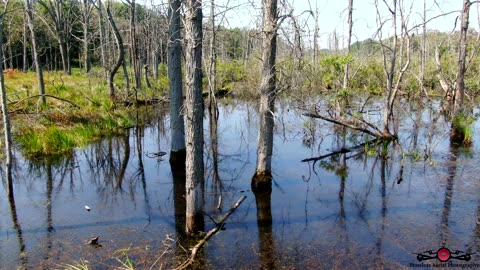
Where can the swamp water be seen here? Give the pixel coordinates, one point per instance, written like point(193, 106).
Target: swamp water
point(354, 210)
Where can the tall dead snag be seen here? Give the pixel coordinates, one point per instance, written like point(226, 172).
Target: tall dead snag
point(349, 40)
point(6, 119)
point(194, 116)
point(36, 58)
point(112, 70)
point(212, 71)
point(25, 40)
point(262, 177)
point(177, 126)
point(457, 133)
point(390, 54)
point(457, 100)
point(102, 35)
point(86, 14)
point(133, 45)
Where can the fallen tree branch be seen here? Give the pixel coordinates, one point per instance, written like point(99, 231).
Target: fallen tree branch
point(45, 95)
point(342, 150)
point(365, 122)
point(364, 130)
point(209, 234)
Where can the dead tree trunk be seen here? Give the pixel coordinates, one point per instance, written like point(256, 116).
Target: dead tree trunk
point(36, 59)
point(349, 40)
point(177, 126)
point(125, 75)
point(102, 35)
point(389, 65)
point(25, 40)
point(133, 46)
point(457, 133)
point(267, 96)
point(6, 119)
point(194, 116)
point(423, 51)
point(462, 55)
point(121, 54)
point(56, 11)
point(147, 81)
point(86, 14)
point(212, 72)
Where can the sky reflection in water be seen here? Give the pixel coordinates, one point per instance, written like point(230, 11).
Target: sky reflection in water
point(351, 210)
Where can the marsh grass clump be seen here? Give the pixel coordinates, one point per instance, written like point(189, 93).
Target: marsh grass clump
point(55, 134)
point(79, 112)
point(462, 129)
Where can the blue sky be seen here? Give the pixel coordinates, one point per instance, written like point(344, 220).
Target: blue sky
point(332, 15)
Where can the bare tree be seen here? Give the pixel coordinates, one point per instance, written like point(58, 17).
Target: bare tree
point(6, 118)
point(194, 116)
point(390, 54)
point(25, 40)
point(36, 58)
point(177, 126)
point(112, 70)
point(86, 14)
point(458, 134)
point(61, 29)
point(262, 177)
point(99, 7)
point(349, 40)
point(133, 45)
point(212, 70)
point(457, 100)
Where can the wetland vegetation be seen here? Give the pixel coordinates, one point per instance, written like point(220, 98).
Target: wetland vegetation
point(142, 123)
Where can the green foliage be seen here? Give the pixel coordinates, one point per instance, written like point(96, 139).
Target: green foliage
point(61, 127)
point(122, 257)
point(369, 77)
point(228, 72)
point(462, 127)
point(413, 155)
point(332, 69)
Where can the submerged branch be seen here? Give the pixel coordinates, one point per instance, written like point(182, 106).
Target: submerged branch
point(209, 234)
point(342, 150)
point(364, 130)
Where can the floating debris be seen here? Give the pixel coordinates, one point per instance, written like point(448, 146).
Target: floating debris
point(157, 154)
point(93, 241)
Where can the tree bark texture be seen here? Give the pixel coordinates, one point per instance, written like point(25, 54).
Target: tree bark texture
point(36, 59)
point(25, 40)
point(267, 90)
point(349, 40)
point(121, 53)
point(462, 55)
point(102, 35)
point(87, 11)
point(212, 72)
point(177, 125)
point(133, 46)
point(6, 121)
point(194, 117)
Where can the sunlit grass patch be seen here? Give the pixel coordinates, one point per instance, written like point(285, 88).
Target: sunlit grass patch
point(56, 134)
